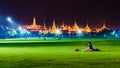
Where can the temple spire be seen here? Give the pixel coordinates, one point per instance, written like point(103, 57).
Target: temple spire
point(45, 31)
point(87, 28)
point(104, 26)
point(63, 26)
point(34, 27)
point(34, 21)
point(44, 26)
point(75, 24)
point(53, 27)
point(75, 27)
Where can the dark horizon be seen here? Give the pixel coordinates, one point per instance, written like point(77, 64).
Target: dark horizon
point(94, 12)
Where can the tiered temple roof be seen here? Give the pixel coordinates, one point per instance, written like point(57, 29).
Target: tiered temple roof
point(34, 26)
point(102, 28)
point(53, 30)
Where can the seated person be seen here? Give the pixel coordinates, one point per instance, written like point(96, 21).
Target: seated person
point(91, 48)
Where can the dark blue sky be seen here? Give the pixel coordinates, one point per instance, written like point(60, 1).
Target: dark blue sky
point(92, 11)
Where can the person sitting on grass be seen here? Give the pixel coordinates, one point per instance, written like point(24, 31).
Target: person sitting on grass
point(91, 48)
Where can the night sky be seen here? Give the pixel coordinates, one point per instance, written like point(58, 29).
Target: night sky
point(92, 11)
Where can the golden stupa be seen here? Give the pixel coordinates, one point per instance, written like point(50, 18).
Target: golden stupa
point(102, 28)
point(34, 27)
point(53, 30)
point(45, 30)
point(87, 28)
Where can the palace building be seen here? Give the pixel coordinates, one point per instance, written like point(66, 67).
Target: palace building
point(70, 29)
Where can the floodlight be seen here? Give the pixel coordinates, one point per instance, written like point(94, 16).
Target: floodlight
point(58, 31)
point(79, 31)
point(20, 28)
point(9, 19)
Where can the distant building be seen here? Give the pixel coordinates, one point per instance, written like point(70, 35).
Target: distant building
point(45, 30)
point(87, 28)
point(53, 29)
point(102, 28)
point(34, 27)
point(64, 28)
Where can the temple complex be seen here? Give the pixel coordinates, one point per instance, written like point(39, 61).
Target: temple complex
point(36, 28)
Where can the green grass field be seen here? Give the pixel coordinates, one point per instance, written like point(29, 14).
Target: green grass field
point(51, 53)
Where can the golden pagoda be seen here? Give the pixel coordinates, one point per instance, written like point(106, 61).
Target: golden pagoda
point(87, 28)
point(45, 30)
point(53, 30)
point(75, 27)
point(62, 26)
point(34, 26)
point(102, 28)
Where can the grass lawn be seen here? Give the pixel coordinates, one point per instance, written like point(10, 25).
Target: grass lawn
point(51, 53)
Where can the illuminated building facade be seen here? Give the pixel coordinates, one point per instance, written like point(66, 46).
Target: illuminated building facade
point(68, 29)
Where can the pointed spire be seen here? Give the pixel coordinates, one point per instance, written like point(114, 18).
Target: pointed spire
point(44, 25)
point(54, 25)
point(75, 24)
point(34, 21)
point(63, 26)
point(75, 27)
point(104, 26)
point(53, 30)
point(87, 28)
point(87, 25)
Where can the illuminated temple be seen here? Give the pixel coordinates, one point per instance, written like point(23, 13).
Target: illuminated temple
point(74, 28)
point(34, 27)
point(102, 28)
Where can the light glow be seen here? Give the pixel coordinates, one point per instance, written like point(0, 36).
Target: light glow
point(58, 31)
point(9, 19)
point(79, 31)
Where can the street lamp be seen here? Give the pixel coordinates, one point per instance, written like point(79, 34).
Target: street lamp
point(9, 19)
